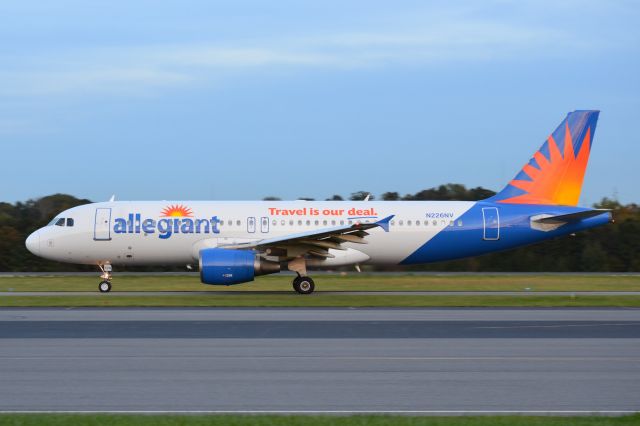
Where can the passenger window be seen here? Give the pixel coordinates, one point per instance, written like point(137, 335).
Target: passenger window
point(291, 223)
point(274, 222)
point(60, 222)
point(317, 222)
point(408, 223)
point(417, 223)
point(400, 222)
point(69, 221)
point(324, 222)
point(342, 222)
point(308, 222)
point(299, 223)
point(238, 222)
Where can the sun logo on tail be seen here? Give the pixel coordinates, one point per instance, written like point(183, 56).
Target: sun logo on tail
point(555, 178)
point(176, 210)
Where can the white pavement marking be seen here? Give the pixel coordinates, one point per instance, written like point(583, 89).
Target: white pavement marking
point(349, 412)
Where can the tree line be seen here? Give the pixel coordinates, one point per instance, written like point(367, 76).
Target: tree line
point(612, 248)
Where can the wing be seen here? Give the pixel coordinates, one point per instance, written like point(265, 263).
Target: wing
point(316, 242)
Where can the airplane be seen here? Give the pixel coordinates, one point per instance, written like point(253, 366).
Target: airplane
point(233, 242)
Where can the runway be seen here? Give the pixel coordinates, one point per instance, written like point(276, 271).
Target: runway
point(320, 360)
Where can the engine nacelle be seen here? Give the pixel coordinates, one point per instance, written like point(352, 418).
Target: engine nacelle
point(226, 267)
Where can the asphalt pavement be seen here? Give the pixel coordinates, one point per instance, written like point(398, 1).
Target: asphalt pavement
point(320, 360)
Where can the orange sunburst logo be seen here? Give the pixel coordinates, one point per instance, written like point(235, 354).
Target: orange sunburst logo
point(558, 179)
point(176, 210)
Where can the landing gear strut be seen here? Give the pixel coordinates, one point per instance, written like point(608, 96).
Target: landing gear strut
point(303, 285)
point(105, 284)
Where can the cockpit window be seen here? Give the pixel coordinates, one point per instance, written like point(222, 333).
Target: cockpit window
point(61, 221)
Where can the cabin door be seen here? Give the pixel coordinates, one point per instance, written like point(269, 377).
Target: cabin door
point(102, 225)
point(491, 219)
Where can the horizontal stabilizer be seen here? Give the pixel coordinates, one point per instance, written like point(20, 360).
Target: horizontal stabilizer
point(571, 217)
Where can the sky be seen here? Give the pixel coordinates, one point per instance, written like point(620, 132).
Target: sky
point(197, 100)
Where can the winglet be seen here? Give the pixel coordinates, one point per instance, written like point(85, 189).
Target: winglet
point(384, 223)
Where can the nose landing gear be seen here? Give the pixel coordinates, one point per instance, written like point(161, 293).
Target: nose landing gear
point(105, 284)
point(104, 287)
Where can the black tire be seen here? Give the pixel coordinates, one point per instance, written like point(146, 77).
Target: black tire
point(104, 287)
point(303, 285)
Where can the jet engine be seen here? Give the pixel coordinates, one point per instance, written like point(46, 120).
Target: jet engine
point(225, 267)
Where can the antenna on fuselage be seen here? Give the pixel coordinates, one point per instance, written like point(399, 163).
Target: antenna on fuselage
point(113, 198)
point(367, 197)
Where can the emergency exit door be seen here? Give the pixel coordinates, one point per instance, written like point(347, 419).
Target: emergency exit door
point(491, 219)
point(251, 225)
point(102, 225)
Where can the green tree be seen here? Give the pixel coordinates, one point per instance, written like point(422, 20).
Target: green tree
point(615, 247)
point(594, 258)
point(450, 191)
point(360, 195)
point(391, 196)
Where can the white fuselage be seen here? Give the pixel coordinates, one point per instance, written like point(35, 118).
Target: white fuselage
point(174, 232)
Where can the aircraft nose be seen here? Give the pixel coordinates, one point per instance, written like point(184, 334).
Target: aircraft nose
point(33, 243)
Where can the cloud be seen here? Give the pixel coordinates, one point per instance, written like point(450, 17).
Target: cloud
point(81, 80)
point(131, 69)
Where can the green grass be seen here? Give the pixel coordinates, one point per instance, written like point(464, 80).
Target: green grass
point(319, 300)
point(257, 293)
point(272, 420)
point(351, 281)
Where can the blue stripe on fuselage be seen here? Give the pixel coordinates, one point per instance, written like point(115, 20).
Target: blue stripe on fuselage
point(515, 230)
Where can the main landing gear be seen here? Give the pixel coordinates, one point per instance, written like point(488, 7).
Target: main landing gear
point(303, 285)
point(105, 284)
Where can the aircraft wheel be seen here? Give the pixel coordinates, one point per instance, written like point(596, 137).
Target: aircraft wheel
point(104, 287)
point(303, 285)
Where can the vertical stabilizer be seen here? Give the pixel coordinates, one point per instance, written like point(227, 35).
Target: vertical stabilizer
point(555, 173)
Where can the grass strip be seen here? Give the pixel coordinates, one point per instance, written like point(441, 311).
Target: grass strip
point(348, 282)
